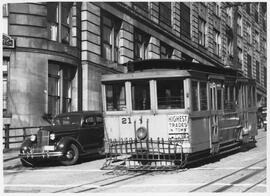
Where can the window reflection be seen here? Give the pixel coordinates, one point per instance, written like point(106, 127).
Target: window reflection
point(170, 94)
point(115, 97)
point(140, 95)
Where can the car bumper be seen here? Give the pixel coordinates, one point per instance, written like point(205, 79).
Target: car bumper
point(41, 155)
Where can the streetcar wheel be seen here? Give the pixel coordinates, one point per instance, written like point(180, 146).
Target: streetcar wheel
point(72, 155)
point(27, 162)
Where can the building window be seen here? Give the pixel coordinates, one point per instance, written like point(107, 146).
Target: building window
point(170, 94)
point(258, 72)
point(67, 89)
point(165, 13)
point(230, 46)
point(53, 89)
point(249, 33)
point(240, 55)
point(256, 11)
point(140, 93)
point(165, 51)
point(239, 25)
point(249, 67)
point(265, 76)
point(257, 40)
point(110, 37)
point(202, 32)
point(184, 20)
point(229, 16)
point(59, 18)
point(216, 42)
point(216, 8)
point(248, 8)
point(5, 84)
point(141, 5)
point(141, 41)
point(264, 48)
point(5, 19)
point(115, 97)
point(59, 88)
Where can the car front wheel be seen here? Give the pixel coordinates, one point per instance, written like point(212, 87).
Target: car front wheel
point(72, 155)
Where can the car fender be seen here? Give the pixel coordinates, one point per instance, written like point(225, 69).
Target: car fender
point(65, 142)
point(27, 143)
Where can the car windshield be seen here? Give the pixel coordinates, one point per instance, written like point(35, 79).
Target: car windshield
point(67, 120)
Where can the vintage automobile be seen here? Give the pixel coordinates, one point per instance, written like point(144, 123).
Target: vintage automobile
point(70, 136)
point(262, 118)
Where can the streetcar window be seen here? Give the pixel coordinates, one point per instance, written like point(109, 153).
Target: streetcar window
point(203, 96)
point(249, 96)
point(115, 97)
point(140, 95)
point(219, 98)
point(229, 100)
point(170, 94)
point(194, 90)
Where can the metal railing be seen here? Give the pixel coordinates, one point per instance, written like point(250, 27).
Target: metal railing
point(7, 134)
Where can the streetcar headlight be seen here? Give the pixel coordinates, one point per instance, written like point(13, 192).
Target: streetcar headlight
point(52, 136)
point(33, 138)
point(141, 133)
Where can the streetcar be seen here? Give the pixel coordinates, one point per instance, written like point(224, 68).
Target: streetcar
point(163, 113)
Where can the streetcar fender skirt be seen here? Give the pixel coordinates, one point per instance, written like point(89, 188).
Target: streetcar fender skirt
point(147, 154)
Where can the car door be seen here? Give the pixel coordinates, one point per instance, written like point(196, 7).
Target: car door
point(89, 132)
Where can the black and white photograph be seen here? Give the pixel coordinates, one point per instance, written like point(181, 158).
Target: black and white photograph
point(134, 97)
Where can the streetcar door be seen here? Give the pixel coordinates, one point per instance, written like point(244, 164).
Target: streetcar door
point(215, 112)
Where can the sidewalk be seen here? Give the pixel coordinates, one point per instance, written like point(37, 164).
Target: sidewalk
point(10, 154)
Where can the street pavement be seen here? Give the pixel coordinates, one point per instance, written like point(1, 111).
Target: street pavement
point(244, 171)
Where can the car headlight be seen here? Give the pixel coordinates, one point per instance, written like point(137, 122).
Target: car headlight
point(33, 138)
point(52, 136)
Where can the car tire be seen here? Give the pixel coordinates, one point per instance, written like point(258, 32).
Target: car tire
point(72, 155)
point(28, 163)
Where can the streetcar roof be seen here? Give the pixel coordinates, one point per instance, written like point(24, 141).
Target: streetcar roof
point(160, 68)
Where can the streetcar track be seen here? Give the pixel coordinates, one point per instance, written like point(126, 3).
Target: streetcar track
point(114, 182)
point(239, 180)
point(223, 177)
point(256, 184)
point(100, 181)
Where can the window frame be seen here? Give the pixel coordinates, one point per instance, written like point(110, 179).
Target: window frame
point(118, 106)
point(133, 96)
point(198, 98)
point(185, 21)
point(202, 32)
point(168, 51)
point(141, 44)
point(165, 8)
point(114, 33)
point(57, 24)
point(181, 95)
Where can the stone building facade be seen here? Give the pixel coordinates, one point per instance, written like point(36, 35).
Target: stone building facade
point(40, 71)
point(104, 36)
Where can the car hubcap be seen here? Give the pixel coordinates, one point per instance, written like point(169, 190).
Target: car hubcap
point(70, 154)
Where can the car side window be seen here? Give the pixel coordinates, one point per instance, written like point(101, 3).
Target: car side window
point(90, 120)
point(99, 120)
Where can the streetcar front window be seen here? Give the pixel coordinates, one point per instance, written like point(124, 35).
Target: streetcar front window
point(170, 94)
point(140, 93)
point(115, 97)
